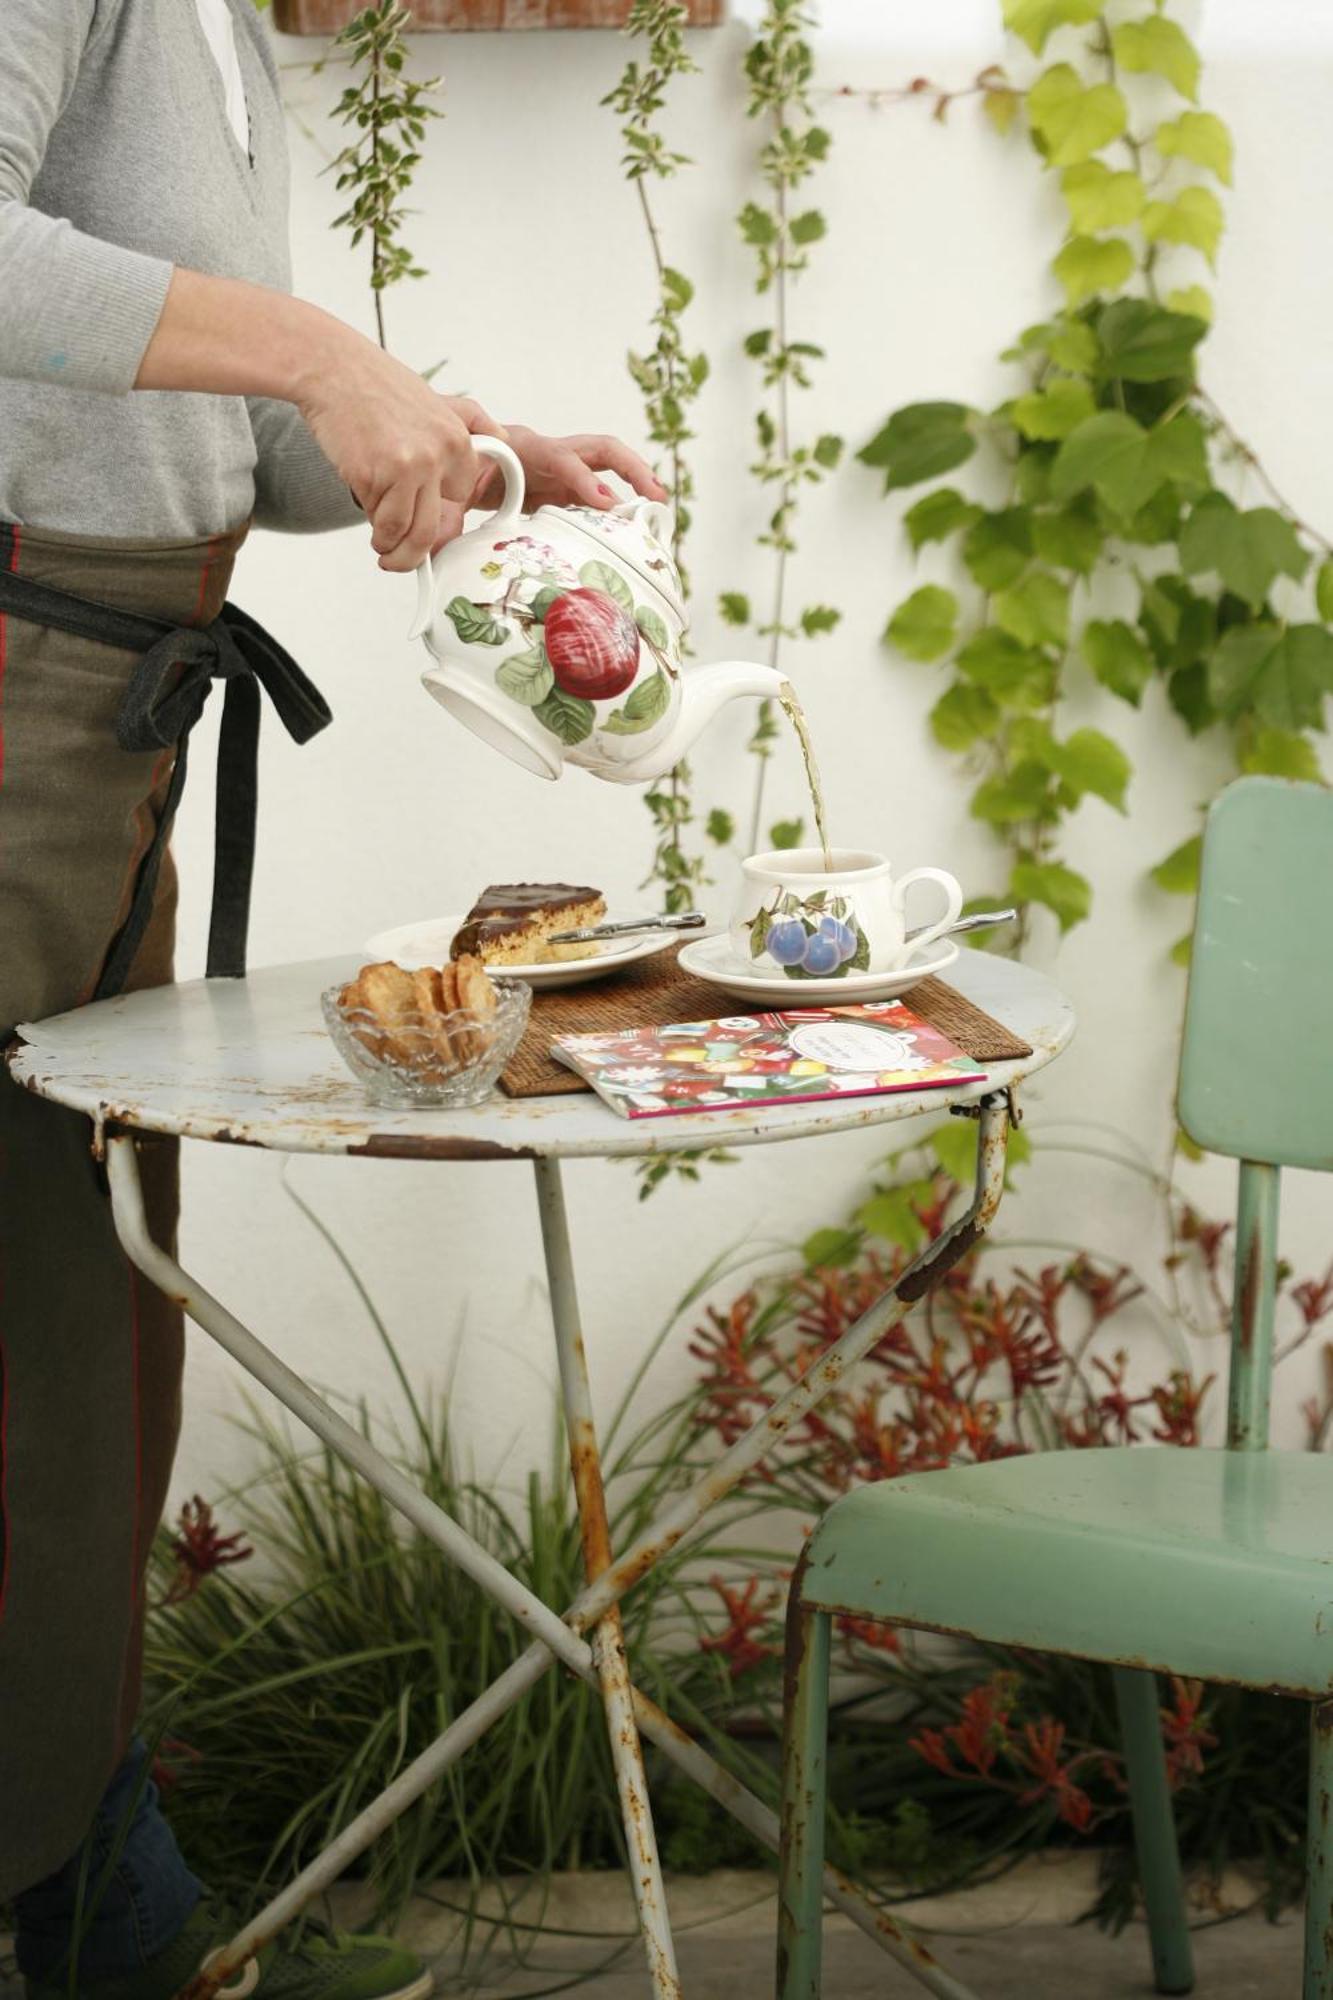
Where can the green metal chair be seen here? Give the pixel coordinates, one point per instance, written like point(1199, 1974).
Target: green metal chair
point(1215, 1564)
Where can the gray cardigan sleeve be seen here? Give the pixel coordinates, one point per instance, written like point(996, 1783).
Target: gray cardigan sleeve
point(73, 309)
point(296, 488)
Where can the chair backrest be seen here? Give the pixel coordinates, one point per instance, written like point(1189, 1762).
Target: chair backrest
point(1256, 1073)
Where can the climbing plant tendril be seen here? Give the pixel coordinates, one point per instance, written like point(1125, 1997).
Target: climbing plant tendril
point(780, 231)
point(1124, 555)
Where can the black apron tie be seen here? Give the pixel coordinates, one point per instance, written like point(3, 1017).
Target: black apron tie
point(162, 703)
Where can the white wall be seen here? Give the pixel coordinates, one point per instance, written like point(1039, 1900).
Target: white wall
point(539, 281)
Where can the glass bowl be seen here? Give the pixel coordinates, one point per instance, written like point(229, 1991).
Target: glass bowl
point(455, 1063)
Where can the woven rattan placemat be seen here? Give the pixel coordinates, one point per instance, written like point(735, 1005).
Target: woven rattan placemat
point(656, 993)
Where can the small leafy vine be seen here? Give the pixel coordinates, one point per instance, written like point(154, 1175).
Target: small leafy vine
point(388, 112)
point(1115, 459)
point(668, 376)
point(778, 67)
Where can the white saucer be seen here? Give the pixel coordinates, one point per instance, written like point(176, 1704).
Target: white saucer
point(416, 945)
point(711, 958)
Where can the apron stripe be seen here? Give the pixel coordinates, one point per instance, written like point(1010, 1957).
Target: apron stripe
point(9, 556)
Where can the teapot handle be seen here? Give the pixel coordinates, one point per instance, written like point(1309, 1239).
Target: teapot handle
point(505, 516)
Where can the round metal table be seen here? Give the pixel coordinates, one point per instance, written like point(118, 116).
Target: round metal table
point(248, 1063)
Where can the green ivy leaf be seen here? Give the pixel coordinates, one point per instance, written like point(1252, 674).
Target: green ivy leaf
point(954, 1145)
point(1090, 762)
point(1012, 673)
point(1069, 342)
point(1282, 672)
point(1160, 47)
point(1099, 198)
point(786, 833)
point(1179, 873)
point(964, 714)
point(526, 677)
point(1118, 657)
point(1180, 627)
point(474, 624)
point(1187, 692)
point(827, 451)
point(1091, 264)
point(1199, 136)
point(939, 515)
point(1001, 105)
point(1141, 342)
point(832, 1249)
point(1125, 464)
point(996, 548)
point(1323, 591)
point(1035, 611)
point(1070, 537)
point(1180, 951)
point(817, 618)
point(601, 576)
point(758, 226)
point(1194, 301)
point(734, 607)
point(919, 442)
point(1036, 20)
point(1281, 753)
point(891, 1214)
point(923, 626)
point(807, 228)
point(1063, 891)
point(1193, 217)
point(1053, 411)
point(567, 716)
point(1248, 551)
point(1071, 120)
point(1022, 794)
point(720, 827)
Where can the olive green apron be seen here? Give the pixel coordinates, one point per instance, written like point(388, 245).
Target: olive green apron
point(94, 714)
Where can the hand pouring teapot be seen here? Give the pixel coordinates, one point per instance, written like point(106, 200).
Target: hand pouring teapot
point(557, 639)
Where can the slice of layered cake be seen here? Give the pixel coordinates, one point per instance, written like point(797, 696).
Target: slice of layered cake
point(511, 923)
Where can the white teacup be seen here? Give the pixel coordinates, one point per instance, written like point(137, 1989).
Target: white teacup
point(795, 918)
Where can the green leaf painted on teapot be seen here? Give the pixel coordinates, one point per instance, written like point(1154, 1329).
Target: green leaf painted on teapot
point(601, 576)
point(545, 598)
point(527, 677)
point(567, 716)
point(474, 623)
point(647, 704)
point(652, 627)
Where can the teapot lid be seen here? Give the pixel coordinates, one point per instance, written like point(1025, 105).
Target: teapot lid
point(639, 535)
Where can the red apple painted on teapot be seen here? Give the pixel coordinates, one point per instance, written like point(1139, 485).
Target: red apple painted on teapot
point(557, 638)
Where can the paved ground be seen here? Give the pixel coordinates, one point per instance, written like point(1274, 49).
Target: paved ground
point(1015, 1940)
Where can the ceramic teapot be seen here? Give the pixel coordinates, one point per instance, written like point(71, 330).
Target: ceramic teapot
point(557, 638)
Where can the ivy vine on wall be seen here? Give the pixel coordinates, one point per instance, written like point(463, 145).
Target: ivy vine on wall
point(1122, 553)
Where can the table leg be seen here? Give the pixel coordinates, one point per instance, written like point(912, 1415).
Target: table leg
point(608, 1639)
point(557, 1640)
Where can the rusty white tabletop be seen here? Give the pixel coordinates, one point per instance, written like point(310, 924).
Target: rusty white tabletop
point(248, 1062)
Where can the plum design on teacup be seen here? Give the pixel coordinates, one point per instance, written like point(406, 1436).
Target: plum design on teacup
point(810, 937)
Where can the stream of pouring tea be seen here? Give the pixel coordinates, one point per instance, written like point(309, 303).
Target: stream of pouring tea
point(795, 714)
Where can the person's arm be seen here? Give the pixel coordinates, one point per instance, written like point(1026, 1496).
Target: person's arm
point(73, 310)
point(297, 491)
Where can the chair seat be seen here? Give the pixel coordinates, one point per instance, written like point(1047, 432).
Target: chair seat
point(1213, 1564)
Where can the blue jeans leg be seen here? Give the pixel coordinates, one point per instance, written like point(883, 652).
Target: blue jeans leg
point(144, 1902)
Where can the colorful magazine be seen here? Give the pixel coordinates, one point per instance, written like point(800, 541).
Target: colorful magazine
point(800, 1056)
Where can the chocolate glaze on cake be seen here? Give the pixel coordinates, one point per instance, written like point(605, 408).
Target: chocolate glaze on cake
point(524, 899)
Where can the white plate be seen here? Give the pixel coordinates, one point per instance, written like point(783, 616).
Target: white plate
point(416, 945)
point(711, 958)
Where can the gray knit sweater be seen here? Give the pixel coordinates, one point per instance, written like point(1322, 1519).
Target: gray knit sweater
point(116, 162)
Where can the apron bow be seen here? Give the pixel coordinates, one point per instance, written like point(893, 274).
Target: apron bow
point(163, 701)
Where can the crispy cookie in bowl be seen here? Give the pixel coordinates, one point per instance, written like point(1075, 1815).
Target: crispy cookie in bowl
point(439, 1035)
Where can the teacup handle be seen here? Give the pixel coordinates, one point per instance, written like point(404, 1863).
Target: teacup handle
point(953, 903)
point(505, 516)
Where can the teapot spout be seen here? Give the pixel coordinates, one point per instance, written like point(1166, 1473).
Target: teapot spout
point(704, 691)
